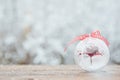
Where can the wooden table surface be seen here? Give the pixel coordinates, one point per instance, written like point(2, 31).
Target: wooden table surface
point(63, 72)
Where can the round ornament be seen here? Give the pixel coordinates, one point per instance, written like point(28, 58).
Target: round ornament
point(91, 54)
point(92, 51)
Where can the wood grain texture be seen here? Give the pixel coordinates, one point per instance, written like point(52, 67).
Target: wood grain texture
point(63, 72)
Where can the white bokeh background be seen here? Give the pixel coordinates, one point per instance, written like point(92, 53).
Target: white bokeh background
point(36, 31)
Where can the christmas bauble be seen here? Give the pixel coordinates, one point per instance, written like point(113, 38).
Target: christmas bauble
point(91, 54)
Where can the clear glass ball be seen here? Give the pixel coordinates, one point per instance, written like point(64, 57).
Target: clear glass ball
point(91, 54)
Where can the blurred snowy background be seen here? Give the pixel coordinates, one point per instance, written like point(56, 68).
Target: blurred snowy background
point(36, 31)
